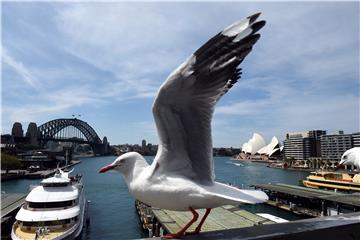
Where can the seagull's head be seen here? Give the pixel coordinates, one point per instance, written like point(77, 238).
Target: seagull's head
point(124, 164)
point(348, 158)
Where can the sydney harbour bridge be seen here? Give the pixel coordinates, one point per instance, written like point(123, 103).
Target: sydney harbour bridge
point(66, 130)
point(71, 130)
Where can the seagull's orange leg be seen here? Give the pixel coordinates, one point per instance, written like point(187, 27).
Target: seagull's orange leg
point(182, 231)
point(198, 228)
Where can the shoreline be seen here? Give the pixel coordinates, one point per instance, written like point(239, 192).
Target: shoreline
point(287, 168)
point(24, 174)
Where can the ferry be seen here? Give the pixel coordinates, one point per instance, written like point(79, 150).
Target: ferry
point(55, 209)
point(334, 180)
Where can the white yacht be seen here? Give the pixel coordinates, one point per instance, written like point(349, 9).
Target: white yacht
point(54, 210)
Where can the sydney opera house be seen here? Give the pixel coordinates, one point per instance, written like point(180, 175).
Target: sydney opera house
point(257, 148)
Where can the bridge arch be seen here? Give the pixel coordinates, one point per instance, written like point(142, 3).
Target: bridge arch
point(49, 129)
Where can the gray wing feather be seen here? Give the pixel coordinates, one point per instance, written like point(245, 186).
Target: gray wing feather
point(184, 105)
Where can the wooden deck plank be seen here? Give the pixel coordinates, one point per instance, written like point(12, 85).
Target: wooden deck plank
point(10, 202)
point(226, 217)
point(168, 222)
point(253, 217)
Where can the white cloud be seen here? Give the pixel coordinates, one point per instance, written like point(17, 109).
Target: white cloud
point(305, 53)
point(20, 69)
point(114, 38)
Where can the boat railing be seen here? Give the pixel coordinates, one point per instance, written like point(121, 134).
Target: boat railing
point(32, 186)
point(338, 179)
point(75, 179)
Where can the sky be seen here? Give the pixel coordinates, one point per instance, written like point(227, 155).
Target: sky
point(105, 62)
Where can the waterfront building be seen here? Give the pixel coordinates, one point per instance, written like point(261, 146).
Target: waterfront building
point(257, 149)
point(316, 135)
point(143, 144)
point(355, 137)
point(333, 146)
point(303, 145)
point(254, 144)
point(270, 148)
point(271, 151)
point(41, 160)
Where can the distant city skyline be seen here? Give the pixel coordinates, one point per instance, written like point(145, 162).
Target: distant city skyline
point(105, 62)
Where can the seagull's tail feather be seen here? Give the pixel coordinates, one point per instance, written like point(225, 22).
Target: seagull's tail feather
point(236, 195)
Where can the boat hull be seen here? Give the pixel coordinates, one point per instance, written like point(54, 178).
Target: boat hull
point(69, 222)
point(71, 233)
point(344, 186)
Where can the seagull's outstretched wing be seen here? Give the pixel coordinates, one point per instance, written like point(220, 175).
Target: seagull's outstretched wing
point(185, 102)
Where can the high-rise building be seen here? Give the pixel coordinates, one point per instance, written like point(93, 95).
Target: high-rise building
point(316, 134)
point(143, 144)
point(333, 146)
point(355, 139)
point(303, 145)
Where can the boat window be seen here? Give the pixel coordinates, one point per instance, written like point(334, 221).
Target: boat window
point(333, 176)
point(51, 204)
point(55, 184)
point(48, 223)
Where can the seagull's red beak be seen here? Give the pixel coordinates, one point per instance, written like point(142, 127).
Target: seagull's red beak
point(106, 168)
point(338, 167)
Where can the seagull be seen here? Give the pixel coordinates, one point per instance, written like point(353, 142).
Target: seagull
point(181, 177)
point(351, 157)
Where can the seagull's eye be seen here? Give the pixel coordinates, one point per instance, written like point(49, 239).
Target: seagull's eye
point(345, 157)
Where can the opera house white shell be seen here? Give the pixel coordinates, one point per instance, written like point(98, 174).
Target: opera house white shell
point(271, 148)
point(254, 144)
point(257, 145)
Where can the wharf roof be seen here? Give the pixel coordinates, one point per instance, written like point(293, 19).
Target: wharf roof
point(349, 199)
point(337, 197)
point(294, 190)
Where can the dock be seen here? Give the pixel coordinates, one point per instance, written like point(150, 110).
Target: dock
point(160, 221)
point(18, 174)
point(310, 202)
point(49, 172)
point(10, 204)
point(344, 227)
point(231, 222)
point(12, 174)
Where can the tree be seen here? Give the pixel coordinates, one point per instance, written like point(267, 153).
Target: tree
point(9, 162)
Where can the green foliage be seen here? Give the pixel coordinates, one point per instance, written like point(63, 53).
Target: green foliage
point(9, 162)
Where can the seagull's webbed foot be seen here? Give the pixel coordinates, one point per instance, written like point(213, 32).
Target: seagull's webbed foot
point(181, 233)
point(198, 228)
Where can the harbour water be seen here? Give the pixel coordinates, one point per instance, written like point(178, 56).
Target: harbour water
point(112, 212)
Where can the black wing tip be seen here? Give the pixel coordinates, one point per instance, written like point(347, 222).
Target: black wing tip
point(257, 26)
point(253, 17)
